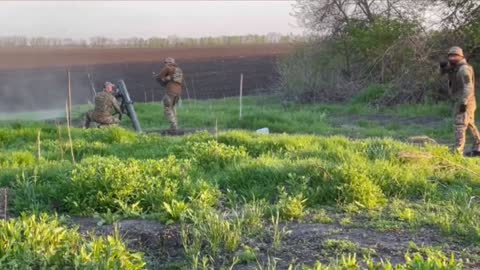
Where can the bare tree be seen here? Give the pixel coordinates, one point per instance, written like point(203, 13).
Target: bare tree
point(332, 16)
point(459, 13)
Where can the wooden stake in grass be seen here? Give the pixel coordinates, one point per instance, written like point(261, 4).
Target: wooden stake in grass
point(69, 104)
point(39, 151)
point(69, 133)
point(186, 89)
point(241, 95)
point(194, 92)
point(60, 141)
point(145, 92)
point(92, 87)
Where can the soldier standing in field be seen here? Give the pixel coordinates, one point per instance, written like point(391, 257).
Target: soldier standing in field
point(461, 81)
point(171, 77)
point(105, 103)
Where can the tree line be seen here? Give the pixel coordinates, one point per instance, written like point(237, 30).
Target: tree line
point(392, 45)
point(153, 42)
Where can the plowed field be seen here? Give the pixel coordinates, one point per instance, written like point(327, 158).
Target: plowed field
point(34, 79)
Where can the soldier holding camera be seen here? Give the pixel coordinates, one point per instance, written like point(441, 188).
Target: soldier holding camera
point(171, 77)
point(461, 81)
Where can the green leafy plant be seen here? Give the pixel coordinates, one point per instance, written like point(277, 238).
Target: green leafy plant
point(41, 242)
point(108, 218)
point(291, 207)
point(321, 216)
point(175, 210)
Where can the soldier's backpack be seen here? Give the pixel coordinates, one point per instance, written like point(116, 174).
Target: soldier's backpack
point(178, 75)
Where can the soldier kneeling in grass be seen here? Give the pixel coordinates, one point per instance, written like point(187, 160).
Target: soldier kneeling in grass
point(105, 103)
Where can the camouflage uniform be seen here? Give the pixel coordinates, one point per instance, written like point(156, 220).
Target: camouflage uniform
point(171, 76)
point(102, 114)
point(462, 88)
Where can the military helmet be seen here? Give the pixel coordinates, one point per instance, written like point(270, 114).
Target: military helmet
point(456, 51)
point(114, 87)
point(107, 83)
point(169, 60)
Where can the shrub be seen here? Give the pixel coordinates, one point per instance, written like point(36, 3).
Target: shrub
point(40, 242)
point(38, 189)
point(357, 188)
point(17, 159)
point(213, 155)
point(99, 184)
point(175, 210)
point(312, 75)
point(290, 207)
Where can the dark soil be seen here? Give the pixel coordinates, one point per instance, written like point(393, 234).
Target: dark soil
point(209, 73)
point(302, 243)
point(23, 58)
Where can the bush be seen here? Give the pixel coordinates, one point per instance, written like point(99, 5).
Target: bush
point(99, 184)
point(357, 188)
point(31, 242)
point(213, 155)
point(17, 159)
point(38, 189)
point(395, 56)
point(313, 75)
point(291, 207)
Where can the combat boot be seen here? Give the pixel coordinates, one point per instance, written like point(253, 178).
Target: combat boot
point(476, 150)
point(87, 121)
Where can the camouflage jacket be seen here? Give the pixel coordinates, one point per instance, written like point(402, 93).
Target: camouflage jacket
point(461, 81)
point(166, 76)
point(104, 104)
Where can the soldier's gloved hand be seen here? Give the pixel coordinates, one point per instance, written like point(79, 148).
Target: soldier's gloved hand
point(463, 108)
point(162, 83)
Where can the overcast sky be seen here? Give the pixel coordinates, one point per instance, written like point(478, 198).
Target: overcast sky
point(119, 19)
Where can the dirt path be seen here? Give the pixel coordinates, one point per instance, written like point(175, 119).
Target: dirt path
point(306, 243)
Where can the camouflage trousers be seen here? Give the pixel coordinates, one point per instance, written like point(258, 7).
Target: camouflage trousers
point(464, 121)
point(169, 102)
point(102, 120)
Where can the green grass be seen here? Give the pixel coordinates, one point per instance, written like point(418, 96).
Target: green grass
point(201, 179)
point(41, 242)
point(131, 174)
point(321, 119)
point(355, 119)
